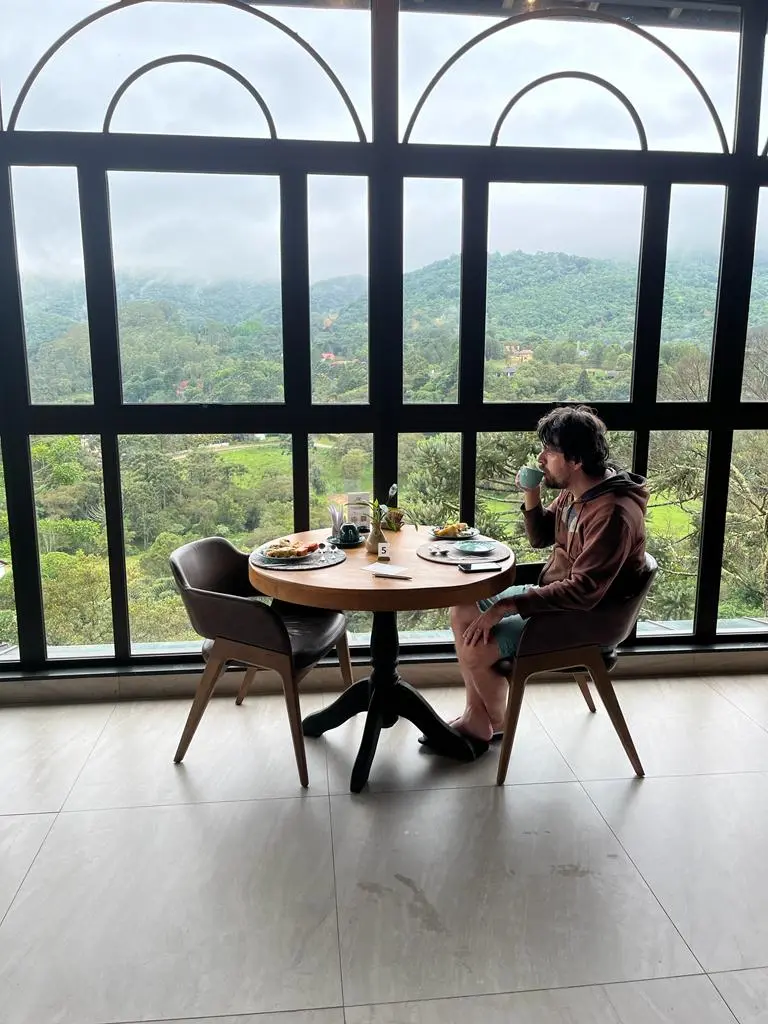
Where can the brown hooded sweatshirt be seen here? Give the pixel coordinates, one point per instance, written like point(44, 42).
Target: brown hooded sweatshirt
point(599, 546)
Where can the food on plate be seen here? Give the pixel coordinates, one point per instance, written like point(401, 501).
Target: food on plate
point(451, 530)
point(289, 549)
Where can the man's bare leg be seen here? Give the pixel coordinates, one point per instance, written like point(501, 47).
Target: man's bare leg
point(485, 689)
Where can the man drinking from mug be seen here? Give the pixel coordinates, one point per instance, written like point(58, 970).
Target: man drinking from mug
point(596, 526)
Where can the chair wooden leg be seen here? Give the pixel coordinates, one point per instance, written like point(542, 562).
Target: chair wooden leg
point(582, 678)
point(248, 678)
point(213, 670)
point(345, 662)
point(291, 691)
point(604, 687)
point(514, 703)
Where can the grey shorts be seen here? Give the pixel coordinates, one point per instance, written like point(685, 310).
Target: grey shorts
point(506, 633)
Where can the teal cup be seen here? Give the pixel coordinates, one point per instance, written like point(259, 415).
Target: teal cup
point(530, 477)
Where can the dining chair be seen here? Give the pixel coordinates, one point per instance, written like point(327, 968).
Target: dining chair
point(582, 643)
point(240, 629)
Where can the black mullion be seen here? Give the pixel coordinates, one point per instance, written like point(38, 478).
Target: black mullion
point(650, 292)
point(385, 81)
point(209, 155)
point(410, 418)
point(17, 461)
point(294, 271)
point(754, 25)
point(300, 466)
point(385, 318)
point(640, 452)
point(385, 274)
point(468, 476)
point(25, 558)
point(714, 511)
point(113, 510)
point(100, 288)
point(474, 273)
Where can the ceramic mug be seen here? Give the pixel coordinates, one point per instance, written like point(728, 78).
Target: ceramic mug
point(530, 477)
point(349, 534)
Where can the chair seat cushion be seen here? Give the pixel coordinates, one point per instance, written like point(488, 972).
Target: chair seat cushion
point(312, 631)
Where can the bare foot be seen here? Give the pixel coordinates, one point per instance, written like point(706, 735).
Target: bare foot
point(475, 723)
point(460, 723)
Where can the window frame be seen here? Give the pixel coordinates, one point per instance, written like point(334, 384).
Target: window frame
point(386, 162)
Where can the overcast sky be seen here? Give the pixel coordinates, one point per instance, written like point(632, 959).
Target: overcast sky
point(224, 225)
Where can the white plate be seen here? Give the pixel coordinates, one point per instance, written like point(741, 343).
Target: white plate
point(465, 535)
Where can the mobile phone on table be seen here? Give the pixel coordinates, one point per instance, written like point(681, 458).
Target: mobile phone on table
point(479, 567)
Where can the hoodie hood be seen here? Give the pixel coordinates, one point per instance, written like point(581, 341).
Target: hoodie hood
point(623, 483)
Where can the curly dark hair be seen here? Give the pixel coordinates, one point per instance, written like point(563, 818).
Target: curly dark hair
point(579, 433)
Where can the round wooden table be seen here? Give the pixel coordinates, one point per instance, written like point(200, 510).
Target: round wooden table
point(383, 694)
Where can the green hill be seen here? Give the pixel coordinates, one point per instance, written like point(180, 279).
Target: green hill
point(221, 341)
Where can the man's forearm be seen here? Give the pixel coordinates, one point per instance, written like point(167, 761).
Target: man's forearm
point(532, 498)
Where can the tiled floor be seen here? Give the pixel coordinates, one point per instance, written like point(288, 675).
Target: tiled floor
point(218, 891)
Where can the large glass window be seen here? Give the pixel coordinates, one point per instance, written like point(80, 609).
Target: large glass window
point(50, 252)
point(180, 487)
point(562, 291)
point(677, 462)
point(208, 119)
point(744, 583)
point(755, 384)
point(72, 540)
point(431, 289)
point(197, 262)
point(690, 292)
point(338, 274)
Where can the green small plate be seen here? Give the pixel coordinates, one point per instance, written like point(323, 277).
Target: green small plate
point(475, 547)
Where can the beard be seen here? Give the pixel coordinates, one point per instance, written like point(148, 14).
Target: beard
point(552, 483)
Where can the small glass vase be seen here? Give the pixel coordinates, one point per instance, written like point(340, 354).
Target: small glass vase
point(375, 537)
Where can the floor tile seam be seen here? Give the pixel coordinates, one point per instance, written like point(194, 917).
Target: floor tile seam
point(551, 739)
point(725, 1002)
point(302, 797)
point(644, 879)
point(31, 865)
point(521, 991)
point(336, 901)
point(88, 756)
point(226, 1016)
point(56, 816)
point(736, 706)
point(369, 794)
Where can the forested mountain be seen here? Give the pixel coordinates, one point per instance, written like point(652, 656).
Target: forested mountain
point(222, 341)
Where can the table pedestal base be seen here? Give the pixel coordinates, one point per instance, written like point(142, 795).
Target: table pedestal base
point(386, 697)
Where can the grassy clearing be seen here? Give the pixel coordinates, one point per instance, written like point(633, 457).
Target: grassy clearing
point(256, 459)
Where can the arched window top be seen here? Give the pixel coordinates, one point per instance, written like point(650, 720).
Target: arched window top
point(642, 68)
point(71, 84)
point(582, 76)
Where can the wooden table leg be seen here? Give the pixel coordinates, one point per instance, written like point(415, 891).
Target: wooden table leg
point(387, 697)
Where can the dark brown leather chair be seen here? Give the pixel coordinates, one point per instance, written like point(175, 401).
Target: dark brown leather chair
point(581, 641)
point(223, 607)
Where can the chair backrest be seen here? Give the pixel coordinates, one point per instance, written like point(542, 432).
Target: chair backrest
point(607, 626)
point(211, 564)
point(212, 578)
